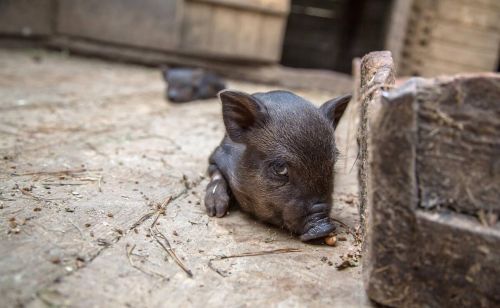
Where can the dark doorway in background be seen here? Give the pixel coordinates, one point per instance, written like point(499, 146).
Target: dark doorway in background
point(328, 34)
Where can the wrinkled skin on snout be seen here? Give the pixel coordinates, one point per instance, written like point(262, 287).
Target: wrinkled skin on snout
point(276, 160)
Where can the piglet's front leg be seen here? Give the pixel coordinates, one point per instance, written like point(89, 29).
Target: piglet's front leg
point(217, 194)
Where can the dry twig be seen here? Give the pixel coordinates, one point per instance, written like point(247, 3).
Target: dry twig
point(260, 253)
point(59, 172)
point(248, 254)
point(157, 235)
point(150, 273)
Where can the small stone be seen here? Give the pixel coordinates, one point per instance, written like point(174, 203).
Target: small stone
point(331, 240)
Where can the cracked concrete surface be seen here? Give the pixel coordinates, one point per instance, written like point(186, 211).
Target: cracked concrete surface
point(88, 150)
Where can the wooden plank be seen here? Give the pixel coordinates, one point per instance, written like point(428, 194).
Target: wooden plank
point(227, 32)
point(275, 7)
point(27, 18)
point(447, 37)
point(268, 74)
point(472, 15)
point(436, 67)
point(249, 26)
point(461, 55)
point(489, 4)
point(398, 24)
point(271, 37)
point(425, 63)
point(196, 27)
point(471, 38)
point(149, 23)
point(433, 150)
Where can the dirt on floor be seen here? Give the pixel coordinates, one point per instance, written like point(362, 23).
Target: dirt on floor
point(92, 155)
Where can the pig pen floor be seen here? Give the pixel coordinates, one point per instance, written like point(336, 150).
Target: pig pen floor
point(90, 150)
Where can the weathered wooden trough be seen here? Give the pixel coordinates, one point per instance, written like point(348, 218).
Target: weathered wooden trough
point(430, 187)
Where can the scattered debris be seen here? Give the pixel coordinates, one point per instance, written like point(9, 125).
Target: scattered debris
point(349, 259)
point(349, 199)
point(14, 226)
point(79, 262)
point(355, 233)
point(185, 181)
point(103, 242)
point(27, 192)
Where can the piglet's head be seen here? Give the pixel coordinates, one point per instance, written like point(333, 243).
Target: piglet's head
point(285, 175)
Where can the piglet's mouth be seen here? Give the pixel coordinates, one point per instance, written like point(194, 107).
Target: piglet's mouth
point(318, 224)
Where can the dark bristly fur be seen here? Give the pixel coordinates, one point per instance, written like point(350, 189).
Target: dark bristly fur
point(276, 160)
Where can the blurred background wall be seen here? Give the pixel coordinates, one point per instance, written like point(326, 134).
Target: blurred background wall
point(426, 37)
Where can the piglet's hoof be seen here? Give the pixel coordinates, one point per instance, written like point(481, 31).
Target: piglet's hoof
point(217, 198)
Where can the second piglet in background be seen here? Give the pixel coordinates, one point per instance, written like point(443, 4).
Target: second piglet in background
point(188, 84)
point(277, 160)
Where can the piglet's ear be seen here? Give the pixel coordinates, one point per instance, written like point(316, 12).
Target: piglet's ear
point(334, 109)
point(241, 112)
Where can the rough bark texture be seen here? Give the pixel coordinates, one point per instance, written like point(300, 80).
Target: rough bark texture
point(377, 73)
point(433, 194)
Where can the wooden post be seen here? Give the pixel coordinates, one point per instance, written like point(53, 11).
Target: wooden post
point(431, 175)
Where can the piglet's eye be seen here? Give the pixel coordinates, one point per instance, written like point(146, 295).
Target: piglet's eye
point(281, 169)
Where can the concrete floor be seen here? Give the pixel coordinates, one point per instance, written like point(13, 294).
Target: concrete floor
point(89, 149)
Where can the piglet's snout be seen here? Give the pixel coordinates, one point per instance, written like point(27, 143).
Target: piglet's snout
point(317, 223)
